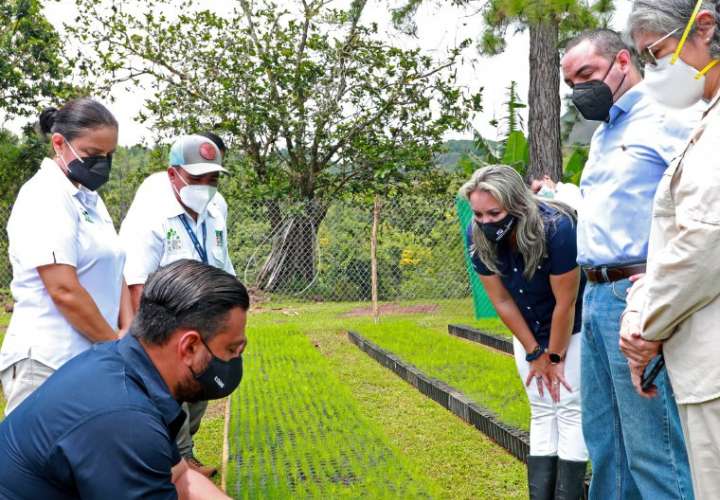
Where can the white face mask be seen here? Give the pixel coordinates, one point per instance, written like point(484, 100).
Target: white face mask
point(546, 192)
point(676, 85)
point(196, 196)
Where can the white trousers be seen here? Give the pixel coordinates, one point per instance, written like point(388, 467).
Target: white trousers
point(19, 380)
point(555, 428)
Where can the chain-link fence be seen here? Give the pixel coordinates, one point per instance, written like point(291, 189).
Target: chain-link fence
point(5, 268)
point(318, 253)
point(315, 252)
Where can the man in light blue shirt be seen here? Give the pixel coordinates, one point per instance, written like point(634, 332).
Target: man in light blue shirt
point(628, 156)
point(636, 444)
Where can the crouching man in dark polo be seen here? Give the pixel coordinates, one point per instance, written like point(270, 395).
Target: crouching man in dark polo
point(104, 425)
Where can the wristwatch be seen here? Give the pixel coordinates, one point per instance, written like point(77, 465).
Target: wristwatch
point(555, 358)
point(537, 352)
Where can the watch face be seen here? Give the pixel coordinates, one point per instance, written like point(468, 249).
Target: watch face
point(555, 358)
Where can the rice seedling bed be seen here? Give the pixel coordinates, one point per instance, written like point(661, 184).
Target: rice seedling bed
point(296, 430)
point(486, 377)
point(513, 440)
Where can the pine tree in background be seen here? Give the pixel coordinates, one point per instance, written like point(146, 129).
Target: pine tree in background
point(550, 23)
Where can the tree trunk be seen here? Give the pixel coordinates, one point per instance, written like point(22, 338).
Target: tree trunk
point(544, 102)
point(290, 267)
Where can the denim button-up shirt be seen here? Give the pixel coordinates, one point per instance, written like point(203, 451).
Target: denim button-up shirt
point(628, 156)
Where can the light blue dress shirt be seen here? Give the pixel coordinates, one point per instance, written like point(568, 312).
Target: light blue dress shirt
point(628, 156)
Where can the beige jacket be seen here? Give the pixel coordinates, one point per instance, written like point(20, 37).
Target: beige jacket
point(679, 297)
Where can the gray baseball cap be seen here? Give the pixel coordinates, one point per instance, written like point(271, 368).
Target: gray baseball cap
point(197, 155)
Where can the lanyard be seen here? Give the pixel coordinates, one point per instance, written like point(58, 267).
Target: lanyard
point(198, 247)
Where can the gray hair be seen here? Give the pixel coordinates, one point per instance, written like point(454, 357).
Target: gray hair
point(607, 43)
point(187, 294)
point(665, 16)
point(511, 192)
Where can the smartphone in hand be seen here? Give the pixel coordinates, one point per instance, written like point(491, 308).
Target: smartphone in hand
point(652, 370)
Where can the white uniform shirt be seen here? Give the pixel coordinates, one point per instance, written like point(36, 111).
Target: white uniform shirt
point(569, 194)
point(53, 222)
point(153, 234)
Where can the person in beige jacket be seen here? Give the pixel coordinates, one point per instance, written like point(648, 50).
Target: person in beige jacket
point(675, 307)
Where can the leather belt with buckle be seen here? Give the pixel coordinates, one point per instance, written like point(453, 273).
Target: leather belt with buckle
point(605, 274)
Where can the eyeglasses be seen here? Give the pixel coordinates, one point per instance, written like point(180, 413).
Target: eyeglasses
point(647, 57)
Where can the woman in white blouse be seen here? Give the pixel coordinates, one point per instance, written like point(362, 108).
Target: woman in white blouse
point(67, 262)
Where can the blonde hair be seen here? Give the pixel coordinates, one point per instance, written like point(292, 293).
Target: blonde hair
point(513, 195)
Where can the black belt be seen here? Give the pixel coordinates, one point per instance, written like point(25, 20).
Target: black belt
point(604, 274)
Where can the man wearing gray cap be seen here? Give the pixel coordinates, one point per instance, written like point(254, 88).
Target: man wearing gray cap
point(176, 215)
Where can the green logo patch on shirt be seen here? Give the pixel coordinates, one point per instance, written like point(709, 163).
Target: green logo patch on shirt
point(173, 241)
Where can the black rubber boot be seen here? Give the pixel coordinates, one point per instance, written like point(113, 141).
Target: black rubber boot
point(542, 472)
point(570, 483)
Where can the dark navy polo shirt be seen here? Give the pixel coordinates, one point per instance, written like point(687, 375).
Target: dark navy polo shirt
point(103, 427)
point(535, 297)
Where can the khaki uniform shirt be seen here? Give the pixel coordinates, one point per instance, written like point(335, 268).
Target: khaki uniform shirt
point(679, 297)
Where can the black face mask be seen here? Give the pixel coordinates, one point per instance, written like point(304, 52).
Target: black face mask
point(90, 171)
point(220, 378)
point(595, 98)
point(497, 231)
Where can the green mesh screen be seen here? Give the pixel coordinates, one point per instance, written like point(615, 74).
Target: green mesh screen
point(483, 307)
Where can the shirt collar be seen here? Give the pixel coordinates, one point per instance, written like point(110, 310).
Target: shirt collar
point(625, 103)
point(54, 172)
point(52, 169)
point(87, 197)
point(139, 363)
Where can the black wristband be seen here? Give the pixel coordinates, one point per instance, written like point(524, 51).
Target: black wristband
point(537, 352)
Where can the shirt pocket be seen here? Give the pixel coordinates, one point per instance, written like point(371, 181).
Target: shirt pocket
point(664, 205)
point(176, 245)
point(218, 244)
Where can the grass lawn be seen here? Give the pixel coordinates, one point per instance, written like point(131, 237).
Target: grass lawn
point(209, 439)
point(487, 377)
point(300, 367)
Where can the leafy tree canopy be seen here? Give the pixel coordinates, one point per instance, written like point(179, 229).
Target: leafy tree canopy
point(314, 100)
point(32, 68)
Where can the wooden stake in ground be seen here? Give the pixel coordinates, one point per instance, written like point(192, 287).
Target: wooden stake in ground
point(373, 259)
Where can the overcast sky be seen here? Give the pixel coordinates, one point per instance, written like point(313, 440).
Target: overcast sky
point(439, 28)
